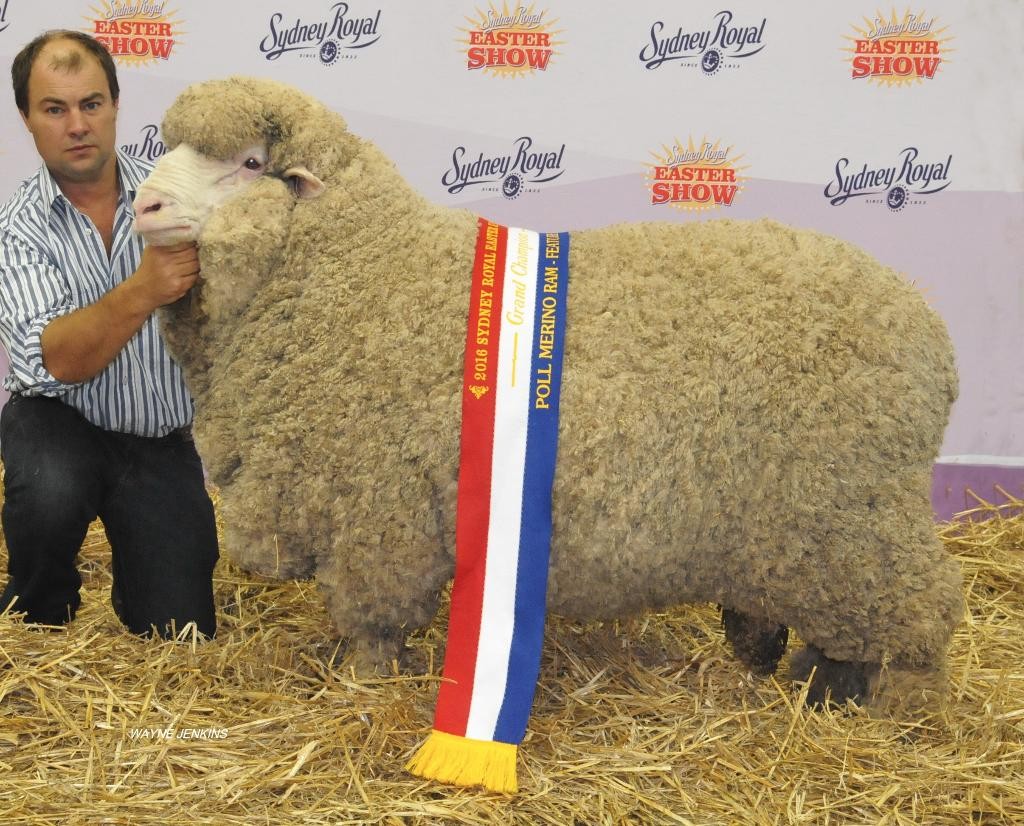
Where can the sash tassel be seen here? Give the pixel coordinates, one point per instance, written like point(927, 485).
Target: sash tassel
point(466, 762)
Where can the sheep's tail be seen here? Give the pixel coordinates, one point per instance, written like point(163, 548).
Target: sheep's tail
point(466, 762)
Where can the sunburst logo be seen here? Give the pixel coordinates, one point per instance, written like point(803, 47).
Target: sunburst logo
point(4, 22)
point(695, 176)
point(135, 32)
point(511, 41)
point(898, 50)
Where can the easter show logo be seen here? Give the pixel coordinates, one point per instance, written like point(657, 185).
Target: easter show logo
point(696, 177)
point(725, 44)
point(512, 41)
point(523, 169)
point(341, 35)
point(906, 183)
point(135, 32)
point(898, 51)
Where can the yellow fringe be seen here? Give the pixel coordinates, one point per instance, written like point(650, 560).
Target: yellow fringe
point(466, 762)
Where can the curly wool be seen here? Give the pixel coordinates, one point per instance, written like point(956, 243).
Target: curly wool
point(749, 413)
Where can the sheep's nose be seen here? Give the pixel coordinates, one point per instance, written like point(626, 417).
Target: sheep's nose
point(145, 204)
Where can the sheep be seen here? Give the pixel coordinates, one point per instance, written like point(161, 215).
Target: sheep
point(750, 411)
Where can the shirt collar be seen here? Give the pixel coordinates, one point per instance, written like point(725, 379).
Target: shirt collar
point(130, 175)
point(49, 190)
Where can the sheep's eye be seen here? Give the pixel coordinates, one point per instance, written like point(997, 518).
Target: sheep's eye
point(252, 163)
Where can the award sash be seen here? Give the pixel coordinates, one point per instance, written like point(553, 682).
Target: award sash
point(513, 367)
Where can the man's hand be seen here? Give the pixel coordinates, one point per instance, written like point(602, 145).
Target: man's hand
point(165, 274)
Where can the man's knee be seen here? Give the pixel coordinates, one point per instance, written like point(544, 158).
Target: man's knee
point(166, 588)
point(44, 597)
point(179, 625)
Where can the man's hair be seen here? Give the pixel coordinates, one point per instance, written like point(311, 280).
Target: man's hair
point(21, 68)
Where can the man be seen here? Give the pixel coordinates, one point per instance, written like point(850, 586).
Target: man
point(98, 423)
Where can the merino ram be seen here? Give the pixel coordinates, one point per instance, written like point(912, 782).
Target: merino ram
point(750, 412)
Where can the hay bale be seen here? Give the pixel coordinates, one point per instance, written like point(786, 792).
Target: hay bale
point(648, 721)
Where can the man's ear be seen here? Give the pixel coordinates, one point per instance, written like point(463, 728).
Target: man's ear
point(303, 183)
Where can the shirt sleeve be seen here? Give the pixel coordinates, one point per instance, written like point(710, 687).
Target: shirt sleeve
point(32, 294)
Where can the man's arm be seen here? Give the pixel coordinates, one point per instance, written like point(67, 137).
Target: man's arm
point(82, 343)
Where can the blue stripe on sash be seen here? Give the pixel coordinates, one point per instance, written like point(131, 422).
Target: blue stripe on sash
point(535, 541)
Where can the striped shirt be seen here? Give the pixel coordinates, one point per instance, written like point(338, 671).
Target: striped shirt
point(52, 262)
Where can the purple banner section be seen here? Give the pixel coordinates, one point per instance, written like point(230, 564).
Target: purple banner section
point(952, 485)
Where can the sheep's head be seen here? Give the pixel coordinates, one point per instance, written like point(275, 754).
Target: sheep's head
point(227, 134)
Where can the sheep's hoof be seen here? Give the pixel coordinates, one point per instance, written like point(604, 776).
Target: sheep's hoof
point(834, 681)
point(378, 656)
point(757, 643)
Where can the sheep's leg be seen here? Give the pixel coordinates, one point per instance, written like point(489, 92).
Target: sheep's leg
point(374, 610)
point(376, 650)
point(758, 643)
point(381, 579)
point(366, 615)
point(254, 538)
point(833, 682)
point(881, 589)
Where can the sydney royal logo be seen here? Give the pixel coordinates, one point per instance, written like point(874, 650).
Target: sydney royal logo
point(898, 50)
point(148, 145)
point(136, 31)
point(511, 41)
point(723, 44)
point(696, 176)
point(905, 183)
point(341, 35)
point(523, 169)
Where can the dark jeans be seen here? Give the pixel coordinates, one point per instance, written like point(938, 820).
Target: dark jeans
point(61, 472)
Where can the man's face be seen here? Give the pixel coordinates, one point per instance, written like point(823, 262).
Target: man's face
point(70, 114)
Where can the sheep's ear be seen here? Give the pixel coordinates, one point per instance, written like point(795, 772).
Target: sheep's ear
point(303, 182)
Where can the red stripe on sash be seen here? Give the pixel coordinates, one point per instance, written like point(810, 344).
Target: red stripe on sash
point(477, 448)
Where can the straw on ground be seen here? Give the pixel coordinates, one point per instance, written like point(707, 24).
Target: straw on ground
point(647, 721)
